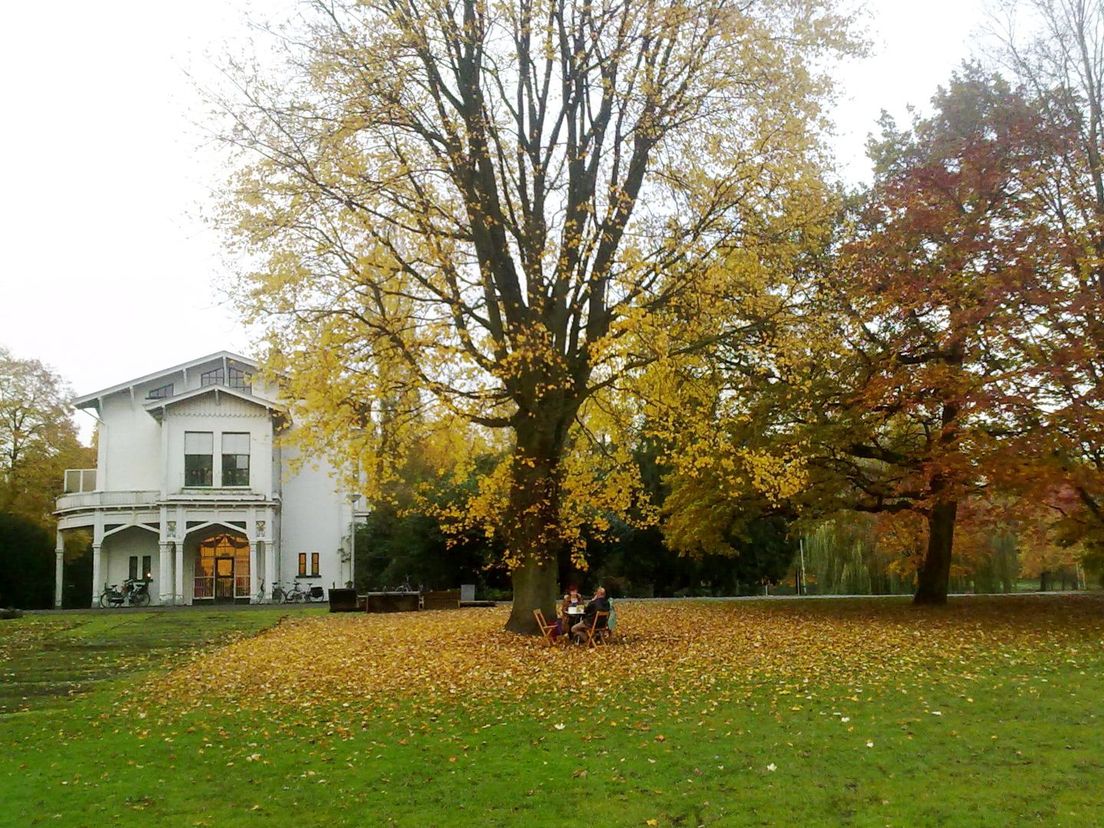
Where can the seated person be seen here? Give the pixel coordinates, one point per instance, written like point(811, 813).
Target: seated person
point(571, 600)
point(564, 611)
point(561, 624)
point(599, 603)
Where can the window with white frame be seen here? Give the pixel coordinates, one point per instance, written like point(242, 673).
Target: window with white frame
point(199, 458)
point(235, 459)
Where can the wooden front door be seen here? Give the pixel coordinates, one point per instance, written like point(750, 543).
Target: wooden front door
point(222, 569)
point(224, 579)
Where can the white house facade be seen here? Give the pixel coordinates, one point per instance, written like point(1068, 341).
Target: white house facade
point(194, 491)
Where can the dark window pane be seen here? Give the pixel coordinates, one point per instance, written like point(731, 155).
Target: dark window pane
point(314, 563)
point(199, 470)
point(235, 470)
point(215, 377)
point(133, 567)
point(302, 563)
point(161, 393)
point(235, 459)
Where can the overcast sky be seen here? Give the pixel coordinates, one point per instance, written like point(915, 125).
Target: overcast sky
point(108, 271)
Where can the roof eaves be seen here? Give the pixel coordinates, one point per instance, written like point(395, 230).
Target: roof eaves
point(93, 400)
point(153, 407)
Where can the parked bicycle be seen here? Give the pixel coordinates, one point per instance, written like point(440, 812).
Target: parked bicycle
point(135, 593)
point(298, 595)
point(279, 594)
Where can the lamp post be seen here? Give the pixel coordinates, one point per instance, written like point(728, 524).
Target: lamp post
point(354, 498)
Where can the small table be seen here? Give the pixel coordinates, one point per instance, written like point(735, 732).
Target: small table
point(574, 616)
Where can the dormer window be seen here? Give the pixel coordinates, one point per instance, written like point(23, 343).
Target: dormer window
point(162, 393)
point(215, 377)
point(239, 379)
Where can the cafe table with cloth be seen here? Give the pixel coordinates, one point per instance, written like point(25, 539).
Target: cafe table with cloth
point(572, 615)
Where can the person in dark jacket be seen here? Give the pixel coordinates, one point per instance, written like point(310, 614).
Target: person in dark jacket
point(599, 603)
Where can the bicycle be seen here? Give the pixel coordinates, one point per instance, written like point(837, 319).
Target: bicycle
point(294, 595)
point(299, 595)
point(279, 594)
point(135, 593)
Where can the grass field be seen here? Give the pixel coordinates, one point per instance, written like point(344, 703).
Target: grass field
point(815, 712)
point(50, 657)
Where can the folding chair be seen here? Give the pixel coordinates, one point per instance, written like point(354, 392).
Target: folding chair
point(547, 630)
point(596, 632)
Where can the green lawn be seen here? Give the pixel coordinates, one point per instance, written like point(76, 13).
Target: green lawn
point(47, 657)
point(704, 713)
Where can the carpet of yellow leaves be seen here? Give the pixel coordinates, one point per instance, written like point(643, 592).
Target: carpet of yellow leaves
point(685, 657)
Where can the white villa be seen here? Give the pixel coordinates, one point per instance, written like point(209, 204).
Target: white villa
point(193, 490)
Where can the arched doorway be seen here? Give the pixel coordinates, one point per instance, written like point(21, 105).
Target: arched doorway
point(222, 569)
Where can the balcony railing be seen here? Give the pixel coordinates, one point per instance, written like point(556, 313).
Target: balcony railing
point(92, 500)
point(214, 494)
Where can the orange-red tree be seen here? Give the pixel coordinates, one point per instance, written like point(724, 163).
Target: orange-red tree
point(944, 278)
point(1063, 67)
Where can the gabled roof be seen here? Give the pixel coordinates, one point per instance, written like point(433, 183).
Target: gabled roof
point(92, 400)
point(156, 408)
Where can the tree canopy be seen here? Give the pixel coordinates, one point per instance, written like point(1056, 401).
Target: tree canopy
point(38, 440)
point(473, 213)
point(1063, 68)
point(524, 243)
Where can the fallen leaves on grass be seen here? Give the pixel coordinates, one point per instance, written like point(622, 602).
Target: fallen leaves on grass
point(685, 658)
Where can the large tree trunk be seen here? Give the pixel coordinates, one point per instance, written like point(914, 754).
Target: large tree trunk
point(935, 573)
point(532, 524)
point(535, 583)
point(934, 576)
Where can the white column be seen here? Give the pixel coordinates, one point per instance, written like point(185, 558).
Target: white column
point(352, 541)
point(165, 574)
point(271, 575)
point(273, 532)
point(254, 584)
point(59, 567)
point(165, 464)
point(97, 584)
point(178, 597)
